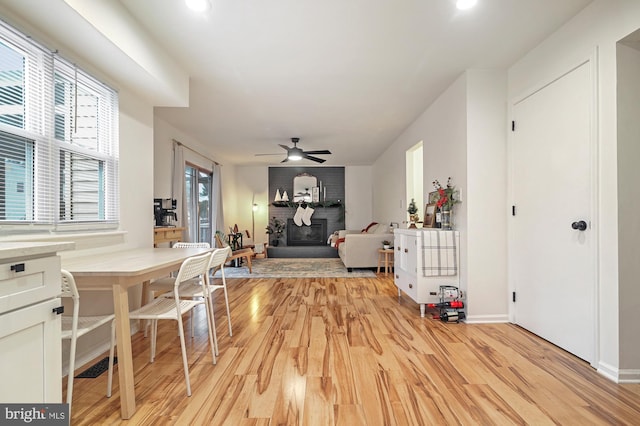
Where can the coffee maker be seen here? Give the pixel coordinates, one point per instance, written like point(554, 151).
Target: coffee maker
point(164, 212)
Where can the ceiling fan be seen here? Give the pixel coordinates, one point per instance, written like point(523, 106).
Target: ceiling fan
point(294, 153)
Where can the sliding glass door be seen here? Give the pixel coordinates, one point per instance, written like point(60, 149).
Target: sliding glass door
point(198, 194)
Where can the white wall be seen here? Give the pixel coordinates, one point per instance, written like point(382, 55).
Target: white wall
point(358, 197)
point(485, 197)
point(595, 30)
point(136, 170)
point(629, 203)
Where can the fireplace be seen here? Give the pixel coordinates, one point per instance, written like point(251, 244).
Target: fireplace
point(313, 235)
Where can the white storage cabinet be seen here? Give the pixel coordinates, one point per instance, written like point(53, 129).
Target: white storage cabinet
point(408, 261)
point(31, 367)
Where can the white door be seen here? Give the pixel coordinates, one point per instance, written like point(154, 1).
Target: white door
point(552, 263)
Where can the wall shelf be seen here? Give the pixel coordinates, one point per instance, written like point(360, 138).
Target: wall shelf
point(327, 203)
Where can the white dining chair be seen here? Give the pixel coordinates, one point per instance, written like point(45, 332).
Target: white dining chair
point(197, 290)
point(163, 308)
point(75, 326)
point(163, 285)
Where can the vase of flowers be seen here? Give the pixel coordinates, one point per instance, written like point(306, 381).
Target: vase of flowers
point(276, 230)
point(448, 196)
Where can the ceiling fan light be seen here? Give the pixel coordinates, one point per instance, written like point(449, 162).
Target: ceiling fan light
point(465, 4)
point(198, 5)
point(294, 156)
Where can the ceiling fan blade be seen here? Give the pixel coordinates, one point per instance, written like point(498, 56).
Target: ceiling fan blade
point(284, 146)
point(316, 159)
point(285, 160)
point(258, 155)
point(323, 151)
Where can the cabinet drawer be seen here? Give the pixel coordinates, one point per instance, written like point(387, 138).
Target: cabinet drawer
point(174, 233)
point(26, 282)
point(407, 283)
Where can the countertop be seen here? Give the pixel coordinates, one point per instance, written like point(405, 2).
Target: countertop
point(24, 249)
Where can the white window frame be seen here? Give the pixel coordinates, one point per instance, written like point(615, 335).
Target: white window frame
point(89, 134)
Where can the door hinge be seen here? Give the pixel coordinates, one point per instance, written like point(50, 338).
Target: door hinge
point(513, 296)
point(513, 210)
point(513, 126)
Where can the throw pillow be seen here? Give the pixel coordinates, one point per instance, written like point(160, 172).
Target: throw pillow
point(369, 227)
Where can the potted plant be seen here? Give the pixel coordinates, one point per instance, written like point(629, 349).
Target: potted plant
point(275, 229)
point(413, 213)
point(386, 244)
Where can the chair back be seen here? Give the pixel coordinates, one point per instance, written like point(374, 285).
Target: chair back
point(181, 244)
point(68, 285)
point(220, 243)
point(192, 267)
point(69, 289)
point(219, 256)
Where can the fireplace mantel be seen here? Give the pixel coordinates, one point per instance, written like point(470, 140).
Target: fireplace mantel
point(312, 205)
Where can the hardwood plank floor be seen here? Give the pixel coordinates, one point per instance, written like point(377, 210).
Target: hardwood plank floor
point(349, 351)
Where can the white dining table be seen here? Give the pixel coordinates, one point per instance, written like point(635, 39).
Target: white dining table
point(117, 272)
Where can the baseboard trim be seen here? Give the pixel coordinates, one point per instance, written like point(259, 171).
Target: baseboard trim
point(629, 376)
point(617, 375)
point(487, 319)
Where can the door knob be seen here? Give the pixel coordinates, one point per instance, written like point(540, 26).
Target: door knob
point(580, 226)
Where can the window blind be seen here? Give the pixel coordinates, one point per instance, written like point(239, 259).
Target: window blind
point(58, 139)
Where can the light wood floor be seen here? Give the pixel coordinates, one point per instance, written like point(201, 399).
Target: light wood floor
point(348, 351)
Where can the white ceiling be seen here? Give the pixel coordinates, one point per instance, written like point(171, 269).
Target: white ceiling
point(343, 75)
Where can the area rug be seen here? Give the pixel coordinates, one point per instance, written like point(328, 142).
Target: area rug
point(295, 268)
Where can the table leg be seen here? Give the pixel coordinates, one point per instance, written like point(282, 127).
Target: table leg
point(386, 263)
point(125, 358)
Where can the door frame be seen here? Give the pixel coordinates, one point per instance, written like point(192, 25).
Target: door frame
point(594, 179)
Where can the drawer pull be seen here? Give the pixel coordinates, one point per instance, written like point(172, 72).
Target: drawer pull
point(398, 248)
point(410, 285)
point(18, 267)
point(397, 276)
point(59, 310)
point(406, 250)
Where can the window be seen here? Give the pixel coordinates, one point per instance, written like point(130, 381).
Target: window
point(58, 141)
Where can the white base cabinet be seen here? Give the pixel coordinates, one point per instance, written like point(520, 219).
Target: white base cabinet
point(31, 366)
point(408, 266)
point(30, 323)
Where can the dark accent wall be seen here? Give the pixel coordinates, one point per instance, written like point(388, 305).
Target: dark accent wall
point(332, 178)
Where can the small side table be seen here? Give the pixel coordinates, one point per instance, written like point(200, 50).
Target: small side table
point(385, 255)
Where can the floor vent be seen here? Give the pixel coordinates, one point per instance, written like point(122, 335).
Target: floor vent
point(97, 369)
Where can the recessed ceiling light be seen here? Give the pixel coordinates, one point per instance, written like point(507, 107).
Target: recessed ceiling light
point(198, 5)
point(465, 4)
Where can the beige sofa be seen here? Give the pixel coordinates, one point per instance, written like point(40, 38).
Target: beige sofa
point(360, 249)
